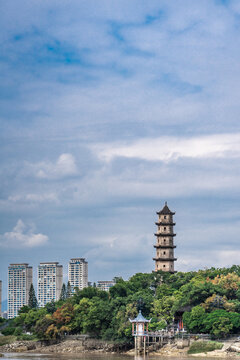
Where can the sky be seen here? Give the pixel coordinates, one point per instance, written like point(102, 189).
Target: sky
point(107, 110)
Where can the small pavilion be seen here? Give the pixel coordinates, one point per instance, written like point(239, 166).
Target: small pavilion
point(140, 332)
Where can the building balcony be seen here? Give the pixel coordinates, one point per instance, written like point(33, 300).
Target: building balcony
point(165, 259)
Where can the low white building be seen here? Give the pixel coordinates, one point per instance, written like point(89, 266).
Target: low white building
point(105, 285)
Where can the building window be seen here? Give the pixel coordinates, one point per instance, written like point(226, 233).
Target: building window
point(165, 217)
point(164, 228)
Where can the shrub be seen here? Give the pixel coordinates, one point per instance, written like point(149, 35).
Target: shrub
point(17, 331)
point(8, 331)
point(204, 346)
point(7, 340)
point(27, 337)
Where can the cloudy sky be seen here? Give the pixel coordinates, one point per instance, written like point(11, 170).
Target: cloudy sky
point(108, 109)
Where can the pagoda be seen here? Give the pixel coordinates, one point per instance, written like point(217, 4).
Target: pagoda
point(164, 259)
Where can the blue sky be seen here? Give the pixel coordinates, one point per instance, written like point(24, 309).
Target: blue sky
point(108, 109)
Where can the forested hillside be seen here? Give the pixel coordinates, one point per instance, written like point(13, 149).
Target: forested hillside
point(210, 300)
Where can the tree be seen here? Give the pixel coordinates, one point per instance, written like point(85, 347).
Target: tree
point(163, 309)
point(50, 307)
point(194, 320)
point(42, 326)
point(24, 309)
point(69, 290)
point(32, 300)
point(63, 315)
point(220, 322)
point(222, 327)
point(63, 294)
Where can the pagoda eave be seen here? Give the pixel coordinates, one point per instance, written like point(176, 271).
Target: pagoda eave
point(165, 213)
point(165, 246)
point(165, 235)
point(165, 259)
point(162, 223)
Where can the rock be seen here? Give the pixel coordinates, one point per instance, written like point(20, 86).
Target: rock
point(234, 348)
point(21, 349)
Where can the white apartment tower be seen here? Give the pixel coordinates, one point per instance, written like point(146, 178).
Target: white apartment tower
point(78, 273)
point(50, 280)
point(19, 282)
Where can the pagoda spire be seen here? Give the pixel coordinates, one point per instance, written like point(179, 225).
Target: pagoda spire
point(164, 245)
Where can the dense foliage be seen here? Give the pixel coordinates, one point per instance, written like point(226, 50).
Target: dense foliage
point(209, 299)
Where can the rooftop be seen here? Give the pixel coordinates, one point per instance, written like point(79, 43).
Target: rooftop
point(140, 318)
point(78, 259)
point(165, 210)
point(25, 264)
point(49, 263)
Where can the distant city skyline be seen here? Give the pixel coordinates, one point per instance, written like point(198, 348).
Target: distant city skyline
point(49, 282)
point(106, 113)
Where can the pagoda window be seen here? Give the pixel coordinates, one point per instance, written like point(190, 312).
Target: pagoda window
point(164, 252)
point(164, 228)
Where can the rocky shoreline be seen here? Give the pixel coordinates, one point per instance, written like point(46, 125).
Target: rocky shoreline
point(230, 349)
point(63, 347)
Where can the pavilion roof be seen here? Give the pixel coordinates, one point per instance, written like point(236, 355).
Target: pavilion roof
point(140, 318)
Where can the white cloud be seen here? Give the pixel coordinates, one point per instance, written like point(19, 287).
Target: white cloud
point(36, 198)
point(207, 259)
point(172, 148)
point(64, 166)
point(22, 236)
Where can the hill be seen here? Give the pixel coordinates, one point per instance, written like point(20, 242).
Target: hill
point(208, 301)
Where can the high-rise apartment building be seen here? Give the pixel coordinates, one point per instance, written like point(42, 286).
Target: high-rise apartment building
point(78, 273)
point(19, 282)
point(50, 280)
point(0, 298)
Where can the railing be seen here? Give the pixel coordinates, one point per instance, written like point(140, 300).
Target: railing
point(140, 333)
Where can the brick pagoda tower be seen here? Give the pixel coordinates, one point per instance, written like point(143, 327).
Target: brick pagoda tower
point(164, 259)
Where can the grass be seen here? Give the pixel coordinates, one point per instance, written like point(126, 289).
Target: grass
point(204, 346)
point(7, 339)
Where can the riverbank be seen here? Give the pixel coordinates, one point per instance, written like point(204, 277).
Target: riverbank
point(228, 350)
point(64, 347)
point(94, 346)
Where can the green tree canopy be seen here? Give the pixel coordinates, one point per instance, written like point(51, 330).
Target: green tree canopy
point(32, 300)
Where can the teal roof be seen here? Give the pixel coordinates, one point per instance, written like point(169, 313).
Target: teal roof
point(140, 318)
